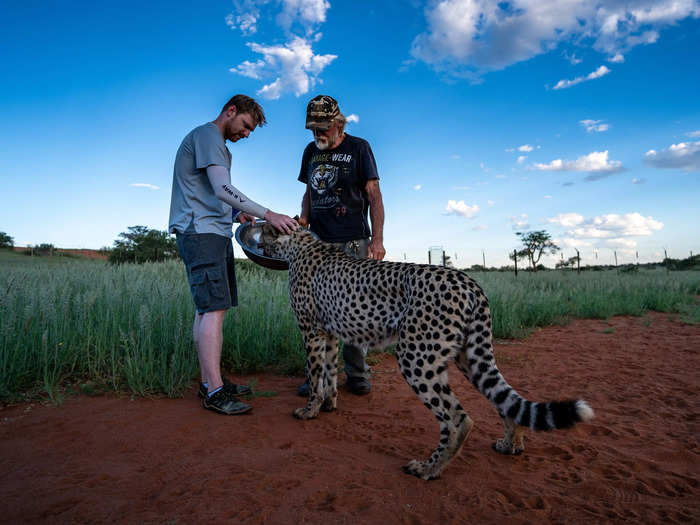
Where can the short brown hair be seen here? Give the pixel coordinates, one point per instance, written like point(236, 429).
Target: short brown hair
point(245, 104)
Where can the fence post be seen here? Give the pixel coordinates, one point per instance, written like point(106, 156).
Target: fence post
point(515, 260)
point(443, 259)
point(615, 252)
point(429, 261)
point(578, 261)
point(666, 260)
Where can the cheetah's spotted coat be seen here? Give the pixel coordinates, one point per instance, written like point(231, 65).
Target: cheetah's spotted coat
point(435, 314)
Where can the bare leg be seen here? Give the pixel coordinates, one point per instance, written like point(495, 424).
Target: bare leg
point(208, 339)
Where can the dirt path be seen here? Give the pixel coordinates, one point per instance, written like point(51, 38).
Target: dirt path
point(95, 460)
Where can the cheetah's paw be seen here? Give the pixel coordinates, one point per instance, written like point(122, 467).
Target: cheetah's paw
point(507, 447)
point(420, 469)
point(305, 413)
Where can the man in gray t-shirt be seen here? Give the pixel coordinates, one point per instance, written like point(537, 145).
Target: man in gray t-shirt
point(203, 206)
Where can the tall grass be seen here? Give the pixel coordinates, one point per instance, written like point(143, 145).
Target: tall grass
point(129, 327)
point(546, 298)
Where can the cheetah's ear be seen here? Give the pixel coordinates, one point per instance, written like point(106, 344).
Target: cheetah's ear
point(304, 223)
point(269, 230)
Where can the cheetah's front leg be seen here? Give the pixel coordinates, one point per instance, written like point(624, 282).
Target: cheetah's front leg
point(330, 373)
point(315, 345)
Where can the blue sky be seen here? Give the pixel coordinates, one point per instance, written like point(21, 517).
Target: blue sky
point(578, 117)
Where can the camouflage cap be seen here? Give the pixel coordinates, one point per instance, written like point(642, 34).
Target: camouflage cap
point(321, 111)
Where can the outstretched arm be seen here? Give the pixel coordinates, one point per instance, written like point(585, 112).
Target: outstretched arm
point(220, 180)
point(376, 215)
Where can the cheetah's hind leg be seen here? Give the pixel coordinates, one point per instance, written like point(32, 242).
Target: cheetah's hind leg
point(512, 442)
point(431, 386)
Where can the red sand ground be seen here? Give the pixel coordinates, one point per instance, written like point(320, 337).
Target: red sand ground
point(105, 459)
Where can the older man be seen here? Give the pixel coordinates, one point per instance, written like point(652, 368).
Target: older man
point(342, 186)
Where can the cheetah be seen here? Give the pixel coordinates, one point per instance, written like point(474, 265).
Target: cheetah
point(434, 314)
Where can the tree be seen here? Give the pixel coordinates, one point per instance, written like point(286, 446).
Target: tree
point(534, 245)
point(6, 241)
point(565, 263)
point(140, 245)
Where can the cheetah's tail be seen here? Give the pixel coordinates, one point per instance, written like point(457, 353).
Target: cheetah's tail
point(549, 415)
point(537, 416)
point(482, 371)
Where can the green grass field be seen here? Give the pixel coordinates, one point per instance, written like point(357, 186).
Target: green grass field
point(68, 323)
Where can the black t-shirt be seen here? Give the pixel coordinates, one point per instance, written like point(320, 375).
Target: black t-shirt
point(336, 179)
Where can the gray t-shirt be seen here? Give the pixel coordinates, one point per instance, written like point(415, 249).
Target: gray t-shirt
point(194, 207)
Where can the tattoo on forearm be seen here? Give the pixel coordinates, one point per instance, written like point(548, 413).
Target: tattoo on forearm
point(233, 194)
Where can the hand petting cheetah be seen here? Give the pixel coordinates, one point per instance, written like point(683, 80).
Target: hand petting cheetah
point(435, 314)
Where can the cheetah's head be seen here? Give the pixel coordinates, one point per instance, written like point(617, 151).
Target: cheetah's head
point(281, 245)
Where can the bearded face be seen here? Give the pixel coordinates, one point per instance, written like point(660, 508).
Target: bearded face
point(326, 139)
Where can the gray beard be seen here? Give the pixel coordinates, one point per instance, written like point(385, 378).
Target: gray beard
point(322, 145)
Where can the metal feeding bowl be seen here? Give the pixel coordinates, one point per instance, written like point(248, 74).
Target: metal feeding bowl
point(249, 236)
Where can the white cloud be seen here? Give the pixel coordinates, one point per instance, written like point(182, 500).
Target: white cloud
point(684, 155)
point(245, 16)
point(352, 118)
point(480, 228)
point(567, 219)
point(417, 187)
point(521, 159)
point(246, 22)
point(491, 203)
point(621, 243)
point(250, 69)
point(525, 148)
point(600, 72)
point(547, 196)
point(510, 150)
point(303, 13)
point(467, 38)
point(594, 125)
point(294, 65)
point(455, 157)
point(465, 188)
point(638, 181)
point(596, 163)
point(572, 58)
point(306, 12)
point(614, 226)
point(570, 242)
point(694, 134)
point(144, 185)
point(617, 59)
point(520, 223)
point(648, 37)
point(460, 208)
